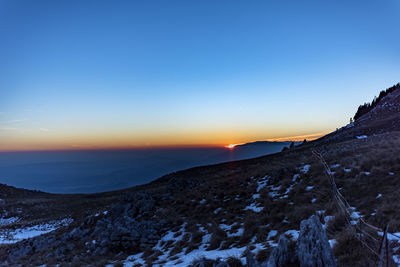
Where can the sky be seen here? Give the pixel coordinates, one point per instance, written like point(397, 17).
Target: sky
point(123, 74)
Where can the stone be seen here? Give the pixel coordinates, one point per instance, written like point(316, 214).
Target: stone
point(282, 255)
point(313, 248)
point(250, 261)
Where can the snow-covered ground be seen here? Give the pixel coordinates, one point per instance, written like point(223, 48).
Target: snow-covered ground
point(8, 236)
point(183, 258)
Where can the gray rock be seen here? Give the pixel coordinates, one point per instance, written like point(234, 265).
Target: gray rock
point(313, 248)
point(282, 255)
point(250, 261)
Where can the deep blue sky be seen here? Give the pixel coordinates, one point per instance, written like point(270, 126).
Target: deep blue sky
point(81, 74)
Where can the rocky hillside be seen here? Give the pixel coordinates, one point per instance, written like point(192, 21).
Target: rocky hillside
point(262, 211)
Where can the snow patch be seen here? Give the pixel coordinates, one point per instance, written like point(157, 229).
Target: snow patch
point(355, 215)
point(254, 207)
point(272, 234)
point(294, 234)
point(7, 221)
point(305, 168)
point(362, 137)
point(217, 210)
point(19, 234)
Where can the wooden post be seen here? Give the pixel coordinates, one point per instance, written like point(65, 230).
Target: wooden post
point(383, 248)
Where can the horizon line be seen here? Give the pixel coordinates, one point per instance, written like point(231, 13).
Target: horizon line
point(297, 138)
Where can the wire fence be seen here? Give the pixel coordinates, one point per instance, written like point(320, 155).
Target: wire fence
point(364, 231)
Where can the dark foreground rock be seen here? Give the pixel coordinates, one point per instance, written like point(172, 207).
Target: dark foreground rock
point(313, 248)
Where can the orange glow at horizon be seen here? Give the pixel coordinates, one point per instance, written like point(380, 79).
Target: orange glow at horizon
point(54, 140)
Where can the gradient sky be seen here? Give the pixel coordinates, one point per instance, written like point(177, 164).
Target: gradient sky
point(91, 74)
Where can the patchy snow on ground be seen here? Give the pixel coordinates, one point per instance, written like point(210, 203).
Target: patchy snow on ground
point(226, 227)
point(309, 188)
point(335, 166)
point(355, 216)
point(15, 235)
point(274, 191)
point(295, 177)
point(272, 234)
point(8, 221)
point(253, 207)
point(293, 234)
point(347, 170)
point(237, 232)
point(362, 137)
point(262, 183)
point(217, 210)
point(391, 173)
point(185, 258)
point(366, 173)
point(379, 195)
point(134, 260)
point(305, 168)
point(313, 200)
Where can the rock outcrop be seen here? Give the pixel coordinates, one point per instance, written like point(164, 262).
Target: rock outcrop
point(126, 227)
point(282, 255)
point(312, 248)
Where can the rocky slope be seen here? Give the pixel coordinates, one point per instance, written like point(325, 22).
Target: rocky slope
point(264, 211)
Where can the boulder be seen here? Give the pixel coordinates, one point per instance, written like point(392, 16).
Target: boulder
point(313, 248)
point(282, 255)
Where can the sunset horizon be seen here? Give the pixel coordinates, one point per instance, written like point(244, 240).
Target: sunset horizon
point(127, 146)
point(187, 74)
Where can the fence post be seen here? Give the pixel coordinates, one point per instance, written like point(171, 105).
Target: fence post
point(383, 248)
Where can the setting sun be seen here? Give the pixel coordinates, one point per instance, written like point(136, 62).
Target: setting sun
point(231, 146)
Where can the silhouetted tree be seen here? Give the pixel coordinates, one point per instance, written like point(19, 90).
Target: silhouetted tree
point(364, 109)
point(291, 145)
